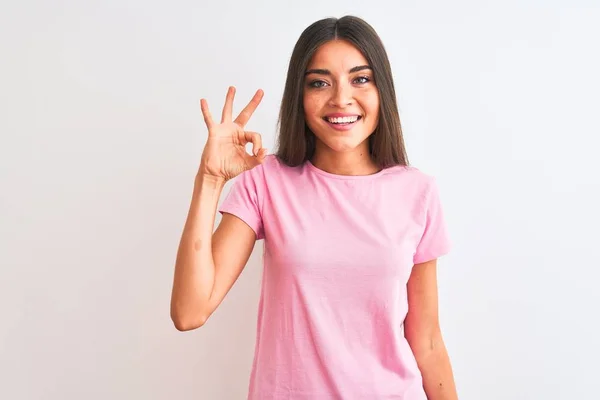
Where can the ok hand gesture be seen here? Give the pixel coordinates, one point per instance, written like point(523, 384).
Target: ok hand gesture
point(224, 155)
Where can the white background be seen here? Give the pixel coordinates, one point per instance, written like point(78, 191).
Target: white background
point(101, 136)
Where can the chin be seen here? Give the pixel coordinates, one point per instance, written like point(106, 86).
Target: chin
point(339, 141)
point(343, 144)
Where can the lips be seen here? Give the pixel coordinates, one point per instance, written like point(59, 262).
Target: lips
point(344, 123)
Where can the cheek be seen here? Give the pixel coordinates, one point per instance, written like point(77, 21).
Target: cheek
point(374, 100)
point(372, 105)
point(311, 105)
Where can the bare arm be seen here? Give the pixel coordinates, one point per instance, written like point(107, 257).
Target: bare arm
point(422, 330)
point(207, 264)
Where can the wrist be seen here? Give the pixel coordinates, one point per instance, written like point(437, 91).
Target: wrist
point(203, 179)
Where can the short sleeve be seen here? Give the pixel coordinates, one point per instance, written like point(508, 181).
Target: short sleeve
point(435, 241)
point(243, 200)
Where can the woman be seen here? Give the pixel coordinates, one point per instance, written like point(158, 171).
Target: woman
point(348, 306)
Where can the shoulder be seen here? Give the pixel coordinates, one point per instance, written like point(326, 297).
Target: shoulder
point(415, 188)
point(273, 168)
point(270, 165)
point(271, 173)
point(257, 173)
point(409, 177)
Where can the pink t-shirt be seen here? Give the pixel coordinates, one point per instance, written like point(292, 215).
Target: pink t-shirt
point(338, 253)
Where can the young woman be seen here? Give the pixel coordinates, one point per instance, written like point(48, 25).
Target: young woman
point(349, 305)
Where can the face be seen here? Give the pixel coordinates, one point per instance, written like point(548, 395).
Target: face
point(341, 101)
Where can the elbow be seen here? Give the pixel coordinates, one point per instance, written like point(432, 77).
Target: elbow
point(184, 322)
point(425, 345)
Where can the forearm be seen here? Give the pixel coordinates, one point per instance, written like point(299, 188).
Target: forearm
point(434, 363)
point(194, 267)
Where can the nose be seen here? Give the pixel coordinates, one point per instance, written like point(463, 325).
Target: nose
point(341, 96)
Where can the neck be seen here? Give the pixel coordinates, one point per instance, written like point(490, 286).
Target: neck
point(355, 162)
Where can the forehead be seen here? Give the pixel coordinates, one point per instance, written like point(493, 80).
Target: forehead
point(337, 56)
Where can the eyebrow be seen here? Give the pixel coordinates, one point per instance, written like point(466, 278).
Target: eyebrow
point(328, 72)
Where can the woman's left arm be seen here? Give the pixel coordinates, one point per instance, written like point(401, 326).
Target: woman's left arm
point(423, 333)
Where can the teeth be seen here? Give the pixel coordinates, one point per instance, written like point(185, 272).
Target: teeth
point(344, 120)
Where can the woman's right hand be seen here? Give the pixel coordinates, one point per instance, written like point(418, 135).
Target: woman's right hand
point(224, 155)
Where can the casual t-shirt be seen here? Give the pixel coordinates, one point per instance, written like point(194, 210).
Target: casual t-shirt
point(338, 252)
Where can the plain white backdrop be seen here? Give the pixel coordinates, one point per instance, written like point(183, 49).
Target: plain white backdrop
point(101, 136)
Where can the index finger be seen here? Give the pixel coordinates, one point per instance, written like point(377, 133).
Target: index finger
point(206, 113)
point(244, 116)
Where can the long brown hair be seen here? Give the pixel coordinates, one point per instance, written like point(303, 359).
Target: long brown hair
point(295, 141)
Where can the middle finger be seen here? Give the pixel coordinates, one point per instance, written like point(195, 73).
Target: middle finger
point(228, 107)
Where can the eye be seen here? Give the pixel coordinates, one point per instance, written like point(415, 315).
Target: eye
point(317, 84)
point(362, 79)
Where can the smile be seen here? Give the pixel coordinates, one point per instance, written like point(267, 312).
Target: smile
point(342, 120)
point(342, 123)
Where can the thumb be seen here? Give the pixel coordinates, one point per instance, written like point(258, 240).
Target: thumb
point(259, 158)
